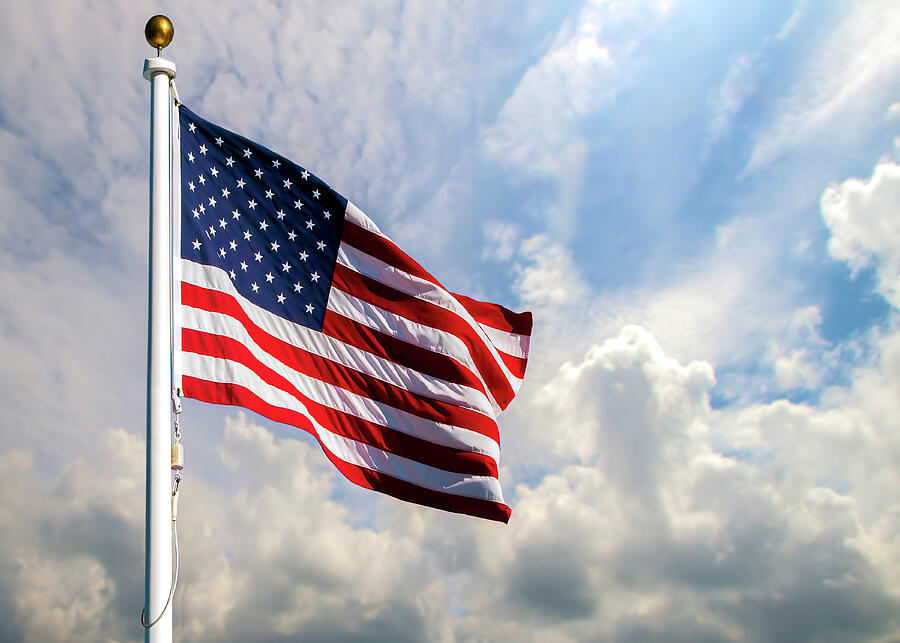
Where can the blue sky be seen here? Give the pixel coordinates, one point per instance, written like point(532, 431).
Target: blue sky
point(700, 203)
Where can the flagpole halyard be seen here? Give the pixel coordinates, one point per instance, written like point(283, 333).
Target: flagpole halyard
point(158, 583)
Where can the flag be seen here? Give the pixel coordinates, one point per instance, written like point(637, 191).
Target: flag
point(296, 306)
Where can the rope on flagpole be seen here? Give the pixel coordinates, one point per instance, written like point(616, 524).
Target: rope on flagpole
point(176, 484)
point(175, 222)
point(177, 466)
point(175, 96)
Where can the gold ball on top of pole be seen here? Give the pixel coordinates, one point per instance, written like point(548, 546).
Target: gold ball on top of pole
point(159, 32)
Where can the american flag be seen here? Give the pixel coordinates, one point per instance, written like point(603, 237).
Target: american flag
point(296, 306)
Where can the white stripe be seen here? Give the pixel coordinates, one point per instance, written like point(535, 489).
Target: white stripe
point(350, 451)
point(354, 215)
point(421, 289)
point(330, 348)
point(342, 400)
point(510, 343)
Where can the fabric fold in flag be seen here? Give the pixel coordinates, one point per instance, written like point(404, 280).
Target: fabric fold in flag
point(297, 307)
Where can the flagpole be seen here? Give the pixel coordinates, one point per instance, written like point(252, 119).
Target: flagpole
point(158, 561)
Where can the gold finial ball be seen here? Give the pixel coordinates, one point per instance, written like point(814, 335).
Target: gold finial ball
point(159, 32)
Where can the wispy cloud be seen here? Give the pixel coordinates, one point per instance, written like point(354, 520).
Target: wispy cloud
point(847, 74)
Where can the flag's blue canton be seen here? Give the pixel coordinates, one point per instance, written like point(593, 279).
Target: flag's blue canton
point(267, 222)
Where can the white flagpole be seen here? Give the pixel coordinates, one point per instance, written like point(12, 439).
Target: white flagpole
point(158, 583)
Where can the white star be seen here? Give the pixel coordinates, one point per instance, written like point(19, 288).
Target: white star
point(219, 141)
point(231, 272)
point(201, 179)
point(285, 267)
point(274, 246)
point(292, 235)
point(257, 256)
point(310, 308)
point(222, 223)
point(269, 277)
point(315, 277)
point(263, 225)
point(258, 173)
point(297, 287)
point(281, 215)
point(201, 208)
point(192, 127)
point(197, 244)
point(327, 215)
point(214, 171)
point(229, 161)
point(212, 201)
point(298, 204)
point(225, 193)
point(254, 286)
point(320, 245)
point(303, 255)
point(233, 245)
point(276, 163)
point(316, 193)
point(251, 204)
point(191, 157)
point(280, 299)
point(203, 149)
point(287, 183)
point(196, 214)
point(191, 186)
point(212, 230)
point(235, 214)
point(269, 194)
point(310, 224)
point(241, 183)
point(305, 175)
point(247, 235)
point(222, 251)
point(247, 153)
point(244, 266)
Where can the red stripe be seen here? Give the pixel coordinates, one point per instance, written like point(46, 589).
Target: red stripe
point(233, 394)
point(421, 496)
point(516, 365)
point(339, 374)
point(399, 303)
point(496, 316)
point(345, 424)
point(383, 249)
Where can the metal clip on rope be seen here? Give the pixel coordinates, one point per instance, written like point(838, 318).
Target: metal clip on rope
point(177, 448)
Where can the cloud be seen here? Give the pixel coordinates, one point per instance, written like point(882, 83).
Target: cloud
point(72, 561)
point(741, 81)
point(865, 227)
point(549, 276)
point(728, 99)
point(797, 365)
point(705, 523)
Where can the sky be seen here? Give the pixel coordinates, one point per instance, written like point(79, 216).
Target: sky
point(699, 202)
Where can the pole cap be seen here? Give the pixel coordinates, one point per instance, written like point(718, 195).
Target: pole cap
point(159, 32)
